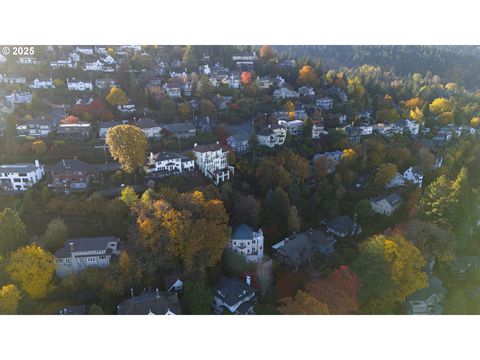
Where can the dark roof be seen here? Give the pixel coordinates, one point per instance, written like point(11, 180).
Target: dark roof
point(209, 147)
point(147, 123)
point(265, 132)
point(245, 307)
point(74, 310)
point(296, 247)
point(435, 286)
point(243, 232)
point(463, 263)
point(232, 290)
point(108, 124)
point(175, 127)
point(342, 224)
point(150, 302)
point(73, 164)
point(167, 155)
point(85, 244)
point(321, 240)
point(243, 136)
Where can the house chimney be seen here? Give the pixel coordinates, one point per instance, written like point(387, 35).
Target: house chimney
point(63, 162)
point(72, 247)
point(157, 293)
point(131, 292)
point(151, 156)
point(37, 164)
point(195, 145)
point(247, 280)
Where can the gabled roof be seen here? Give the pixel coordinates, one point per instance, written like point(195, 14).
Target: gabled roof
point(18, 168)
point(147, 123)
point(233, 290)
point(150, 302)
point(342, 224)
point(435, 286)
point(209, 147)
point(168, 155)
point(73, 164)
point(393, 199)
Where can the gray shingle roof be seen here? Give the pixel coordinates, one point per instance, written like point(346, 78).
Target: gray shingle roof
point(232, 290)
point(243, 232)
point(17, 168)
point(150, 302)
point(85, 244)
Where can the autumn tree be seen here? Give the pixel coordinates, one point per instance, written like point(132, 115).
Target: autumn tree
point(32, 268)
point(116, 97)
point(440, 105)
point(55, 236)
point(349, 155)
point(246, 209)
point(436, 205)
point(385, 174)
point(417, 114)
point(302, 303)
point(475, 121)
point(338, 291)
point(456, 302)
point(308, 76)
point(246, 77)
point(128, 145)
point(270, 174)
point(184, 110)
point(293, 220)
point(39, 147)
point(9, 298)
point(129, 196)
point(296, 165)
point(191, 230)
point(13, 233)
point(266, 52)
point(426, 158)
point(433, 242)
point(389, 269)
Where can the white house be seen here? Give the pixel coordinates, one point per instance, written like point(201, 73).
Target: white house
point(326, 103)
point(167, 163)
point(386, 205)
point(318, 129)
point(234, 296)
point(284, 93)
point(78, 85)
point(68, 63)
point(247, 242)
point(17, 177)
point(84, 50)
point(397, 180)
point(150, 128)
point(80, 253)
point(239, 142)
point(94, 66)
point(173, 90)
point(272, 136)
point(306, 91)
point(414, 174)
point(19, 97)
point(409, 126)
point(13, 79)
point(429, 300)
point(212, 161)
point(294, 127)
point(42, 83)
point(109, 60)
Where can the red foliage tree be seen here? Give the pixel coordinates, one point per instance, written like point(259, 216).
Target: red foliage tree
point(95, 111)
point(246, 77)
point(70, 120)
point(338, 291)
point(288, 284)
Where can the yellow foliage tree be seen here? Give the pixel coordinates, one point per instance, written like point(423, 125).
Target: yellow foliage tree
point(128, 145)
point(440, 105)
point(39, 147)
point(349, 155)
point(302, 303)
point(9, 297)
point(416, 114)
point(32, 268)
point(116, 97)
point(475, 121)
point(308, 76)
point(413, 103)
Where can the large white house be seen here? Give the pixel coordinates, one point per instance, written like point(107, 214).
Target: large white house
point(326, 103)
point(272, 136)
point(78, 85)
point(17, 177)
point(80, 253)
point(19, 97)
point(386, 205)
point(414, 174)
point(234, 296)
point(294, 127)
point(247, 242)
point(318, 129)
point(42, 83)
point(212, 161)
point(167, 163)
point(284, 93)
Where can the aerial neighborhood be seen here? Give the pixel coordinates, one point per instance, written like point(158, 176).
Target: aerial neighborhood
point(247, 180)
